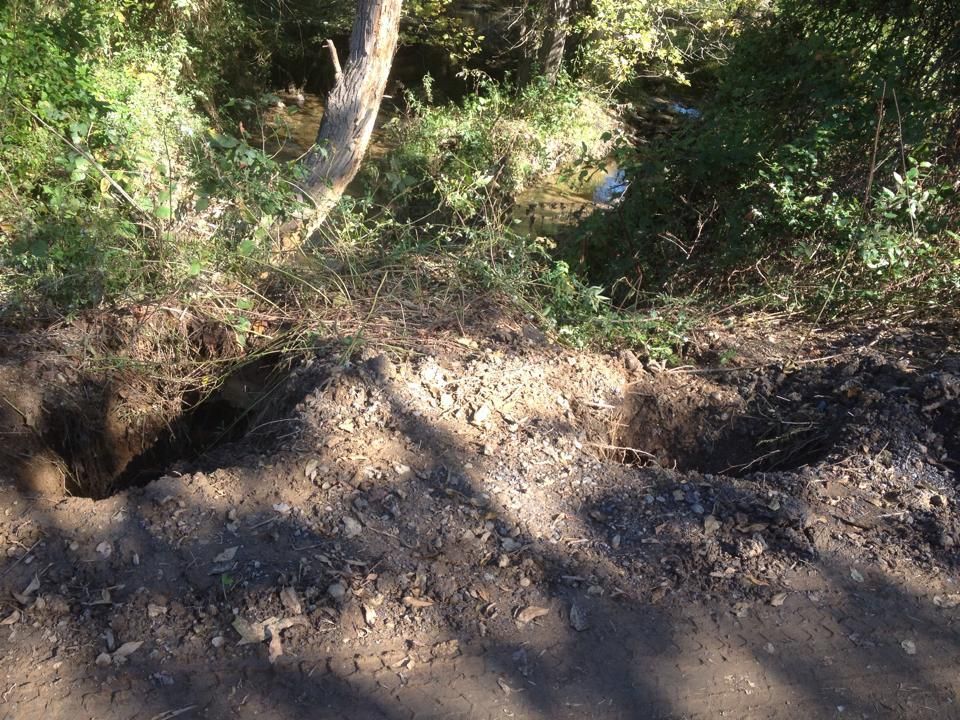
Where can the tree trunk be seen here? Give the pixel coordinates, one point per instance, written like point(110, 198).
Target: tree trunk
point(554, 38)
point(353, 103)
point(528, 40)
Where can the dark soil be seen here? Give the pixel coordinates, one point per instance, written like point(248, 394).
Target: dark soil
point(510, 528)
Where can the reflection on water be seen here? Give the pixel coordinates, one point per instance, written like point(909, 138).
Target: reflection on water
point(295, 126)
point(553, 204)
point(612, 186)
point(544, 209)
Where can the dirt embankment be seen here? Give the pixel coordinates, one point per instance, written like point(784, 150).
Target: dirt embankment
point(512, 527)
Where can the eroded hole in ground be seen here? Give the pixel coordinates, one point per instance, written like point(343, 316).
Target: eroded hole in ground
point(105, 439)
point(712, 429)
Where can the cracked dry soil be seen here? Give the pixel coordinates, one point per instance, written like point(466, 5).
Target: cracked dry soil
point(509, 528)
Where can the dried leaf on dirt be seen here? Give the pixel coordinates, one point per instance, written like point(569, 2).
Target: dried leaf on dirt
point(249, 632)
point(909, 647)
point(778, 599)
point(24, 597)
point(274, 625)
point(413, 602)
point(128, 648)
point(946, 601)
point(481, 415)
point(290, 600)
point(531, 613)
point(275, 650)
point(856, 575)
point(11, 618)
point(578, 618)
point(351, 527)
point(155, 611)
point(227, 555)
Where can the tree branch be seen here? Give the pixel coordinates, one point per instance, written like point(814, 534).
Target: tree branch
point(337, 69)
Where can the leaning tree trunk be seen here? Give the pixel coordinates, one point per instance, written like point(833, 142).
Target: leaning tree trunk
point(554, 38)
point(353, 103)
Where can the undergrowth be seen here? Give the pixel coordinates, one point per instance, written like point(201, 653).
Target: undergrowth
point(822, 179)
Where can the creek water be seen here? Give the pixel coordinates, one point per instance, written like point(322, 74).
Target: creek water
point(554, 203)
point(296, 122)
point(545, 208)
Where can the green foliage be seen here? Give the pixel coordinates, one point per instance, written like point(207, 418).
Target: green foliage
point(780, 192)
point(626, 39)
point(109, 171)
point(290, 34)
point(483, 152)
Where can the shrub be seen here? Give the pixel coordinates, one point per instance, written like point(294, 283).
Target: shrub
point(822, 173)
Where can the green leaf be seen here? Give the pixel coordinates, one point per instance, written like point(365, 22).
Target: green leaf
point(224, 142)
point(163, 205)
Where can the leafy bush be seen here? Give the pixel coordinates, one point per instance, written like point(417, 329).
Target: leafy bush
point(823, 172)
point(115, 187)
point(627, 39)
point(463, 157)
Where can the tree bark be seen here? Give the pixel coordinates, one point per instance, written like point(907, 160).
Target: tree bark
point(353, 103)
point(554, 38)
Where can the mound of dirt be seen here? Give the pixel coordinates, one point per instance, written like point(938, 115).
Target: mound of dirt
point(513, 527)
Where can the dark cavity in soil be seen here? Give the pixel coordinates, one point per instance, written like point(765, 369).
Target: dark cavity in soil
point(731, 431)
point(99, 455)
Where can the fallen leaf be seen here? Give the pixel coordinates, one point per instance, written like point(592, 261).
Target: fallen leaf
point(856, 575)
point(227, 555)
point(909, 647)
point(413, 602)
point(351, 527)
point(249, 632)
point(369, 615)
point(272, 629)
point(276, 647)
point(531, 613)
point(290, 600)
point(481, 415)
point(280, 625)
point(11, 618)
point(24, 597)
point(778, 599)
point(154, 611)
point(128, 648)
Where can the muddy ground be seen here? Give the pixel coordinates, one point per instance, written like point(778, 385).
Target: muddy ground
point(503, 527)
